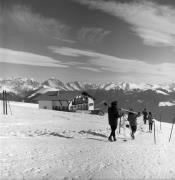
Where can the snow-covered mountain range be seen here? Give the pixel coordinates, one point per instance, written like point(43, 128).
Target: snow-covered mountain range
point(157, 97)
point(20, 85)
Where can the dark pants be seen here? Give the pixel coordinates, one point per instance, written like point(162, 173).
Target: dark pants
point(150, 126)
point(113, 128)
point(144, 120)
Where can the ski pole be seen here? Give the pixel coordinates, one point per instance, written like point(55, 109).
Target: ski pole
point(126, 110)
point(154, 132)
point(172, 129)
point(3, 102)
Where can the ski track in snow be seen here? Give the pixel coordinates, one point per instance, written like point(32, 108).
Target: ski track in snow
point(43, 144)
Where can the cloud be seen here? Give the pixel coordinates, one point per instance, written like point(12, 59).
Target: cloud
point(92, 34)
point(66, 51)
point(89, 68)
point(103, 62)
point(65, 40)
point(23, 19)
point(25, 58)
point(73, 63)
point(152, 22)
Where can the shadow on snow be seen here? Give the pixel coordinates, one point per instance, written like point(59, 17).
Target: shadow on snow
point(93, 133)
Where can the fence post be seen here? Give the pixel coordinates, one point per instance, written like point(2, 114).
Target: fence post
point(6, 102)
point(119, 124)
point(172, 129)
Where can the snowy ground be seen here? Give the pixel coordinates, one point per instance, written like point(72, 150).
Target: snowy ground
point(43, 144)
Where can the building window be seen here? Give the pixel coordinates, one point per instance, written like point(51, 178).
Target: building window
point(79, 100)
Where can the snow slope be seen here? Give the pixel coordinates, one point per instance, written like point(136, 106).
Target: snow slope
point(44, 144)
point(167, 103)
point(161, 92)
point(43, 90)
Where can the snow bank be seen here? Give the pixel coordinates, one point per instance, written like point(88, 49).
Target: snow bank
point(22, 104)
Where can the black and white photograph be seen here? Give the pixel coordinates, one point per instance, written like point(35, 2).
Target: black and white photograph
point(87, 89)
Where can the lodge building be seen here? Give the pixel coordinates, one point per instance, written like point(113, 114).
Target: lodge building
point(66, 101)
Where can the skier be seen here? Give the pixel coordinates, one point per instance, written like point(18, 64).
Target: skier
point(113, 115)
point(144, 112)
point(150, 120)
point(132, 118)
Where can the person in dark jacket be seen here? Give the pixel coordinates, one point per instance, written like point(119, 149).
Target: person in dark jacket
point(150, 120)
point(113, 115)
point(132, 118)
point(145, 114)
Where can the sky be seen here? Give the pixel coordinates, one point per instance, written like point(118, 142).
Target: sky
point(88, 40)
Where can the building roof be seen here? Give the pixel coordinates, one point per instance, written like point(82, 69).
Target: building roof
point(61, 95)
point(51, 93)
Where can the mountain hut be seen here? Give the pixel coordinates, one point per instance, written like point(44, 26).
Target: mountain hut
point(66, 101)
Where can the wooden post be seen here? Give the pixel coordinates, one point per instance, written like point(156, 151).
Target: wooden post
point(119, 124)
point(171, 129)
point(154, 132)
point(6, 102)
point(4, 97)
